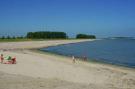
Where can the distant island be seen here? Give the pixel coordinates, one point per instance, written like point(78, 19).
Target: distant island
point(119, 38)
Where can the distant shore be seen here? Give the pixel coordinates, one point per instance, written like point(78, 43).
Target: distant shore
point(58, 71)
point(37, 44)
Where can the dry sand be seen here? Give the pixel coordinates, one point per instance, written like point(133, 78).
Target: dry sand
point(46, 71)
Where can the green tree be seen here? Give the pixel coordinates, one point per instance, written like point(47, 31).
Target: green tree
point(85, 36)
point(8, 37)
point(13, 37)
point(46, 35)
point(3, 37)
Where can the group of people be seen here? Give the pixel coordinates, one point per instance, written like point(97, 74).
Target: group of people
point(74, 60)
point(7, 60)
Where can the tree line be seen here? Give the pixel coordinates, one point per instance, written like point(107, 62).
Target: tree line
point(12, 37)
point(49, 35)
point(85, 36)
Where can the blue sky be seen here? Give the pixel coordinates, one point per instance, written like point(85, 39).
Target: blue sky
point(104, 18)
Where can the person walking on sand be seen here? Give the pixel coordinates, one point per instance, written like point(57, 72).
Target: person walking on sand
point(85, 58)
point(2, 58)
point(73, 59)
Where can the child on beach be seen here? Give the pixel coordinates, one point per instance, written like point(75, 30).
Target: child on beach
point(2, 58)
point(73, 58)
point(85, 58)
point(13, 60)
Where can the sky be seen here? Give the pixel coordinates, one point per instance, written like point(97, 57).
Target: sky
point(103, 18)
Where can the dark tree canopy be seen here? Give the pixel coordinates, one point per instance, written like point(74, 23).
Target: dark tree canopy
point(85, 36)
point(46, 35)
point(3, 37)
point(8, 37)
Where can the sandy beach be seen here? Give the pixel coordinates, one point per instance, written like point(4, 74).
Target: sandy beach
point(37, 70)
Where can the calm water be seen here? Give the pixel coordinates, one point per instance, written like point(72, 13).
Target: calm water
point(114, 51)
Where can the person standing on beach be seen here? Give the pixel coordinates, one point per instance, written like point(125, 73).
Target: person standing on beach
point(85, 58)
point(73, 59)
point(2, 58)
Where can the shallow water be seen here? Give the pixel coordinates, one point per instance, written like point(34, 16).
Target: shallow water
point(114, 51)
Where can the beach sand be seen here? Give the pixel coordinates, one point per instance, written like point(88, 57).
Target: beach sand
point(35, 70)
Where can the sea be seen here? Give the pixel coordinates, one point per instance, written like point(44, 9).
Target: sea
point(112, 51)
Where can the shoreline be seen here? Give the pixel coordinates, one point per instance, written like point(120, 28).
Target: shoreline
point(45, 66)
point(79, 58)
